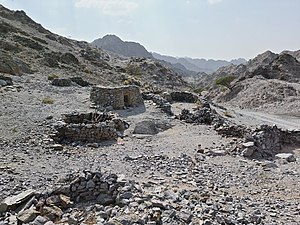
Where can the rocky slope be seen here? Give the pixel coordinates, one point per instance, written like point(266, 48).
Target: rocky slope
point(114, 44)
point(269, 81)
point(26, 47)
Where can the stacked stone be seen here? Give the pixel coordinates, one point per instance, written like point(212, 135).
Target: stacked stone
point(179, 96)
point(95, 186)
point(162, 103)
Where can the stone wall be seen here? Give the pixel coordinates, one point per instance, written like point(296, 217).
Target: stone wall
point(179, 96)
point(89, 127)
point(117, 97)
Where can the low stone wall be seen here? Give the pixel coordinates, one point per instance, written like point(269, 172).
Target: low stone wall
point(89, 127)
point(162, 103)
point(178, 96)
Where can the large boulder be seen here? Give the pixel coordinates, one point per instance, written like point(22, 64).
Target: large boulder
point(13, 66)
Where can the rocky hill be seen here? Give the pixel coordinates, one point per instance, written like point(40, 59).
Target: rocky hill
point(269, 81)
point(114, 44)
point(27, 47)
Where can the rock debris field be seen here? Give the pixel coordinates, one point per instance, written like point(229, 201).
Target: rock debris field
point(203, 165)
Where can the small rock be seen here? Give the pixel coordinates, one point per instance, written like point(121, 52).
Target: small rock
point(3, 207)
point(27, 216)
point(247, 152)
point(39, 220)
point(287, 156)
point(57, 147)
point(249, 144)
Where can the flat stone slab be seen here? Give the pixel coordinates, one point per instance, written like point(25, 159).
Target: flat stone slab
point(16, 200)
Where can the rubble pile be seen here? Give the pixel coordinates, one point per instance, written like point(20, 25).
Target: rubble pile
point(89, 127)
point(204, 115)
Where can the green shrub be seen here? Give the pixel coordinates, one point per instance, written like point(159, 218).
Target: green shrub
point(47, 100)
point(53, 76)
point(225, 81)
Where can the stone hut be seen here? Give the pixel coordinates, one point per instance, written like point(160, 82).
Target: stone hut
point(117, 97)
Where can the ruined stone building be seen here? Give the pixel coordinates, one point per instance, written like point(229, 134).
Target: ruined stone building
point(117, 97)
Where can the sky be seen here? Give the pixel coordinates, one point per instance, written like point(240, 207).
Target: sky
point(210, 29)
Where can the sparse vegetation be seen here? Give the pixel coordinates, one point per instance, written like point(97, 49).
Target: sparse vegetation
point(198, 90)
point(14, 130)
point(225, 81)
point(47, 100)
point(133, 70)
point(228, 114)
point(131, 81)
point(53, 76)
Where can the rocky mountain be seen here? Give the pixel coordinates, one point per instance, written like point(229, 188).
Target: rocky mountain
point(269, 81)
point(199, 65)
point(268, 64)
point(27, 47)
point(114, 44)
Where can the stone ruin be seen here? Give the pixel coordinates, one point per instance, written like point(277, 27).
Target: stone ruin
point(89, 127)
point(117, 97)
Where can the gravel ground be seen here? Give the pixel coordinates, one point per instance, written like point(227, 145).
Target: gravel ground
point(237, 190)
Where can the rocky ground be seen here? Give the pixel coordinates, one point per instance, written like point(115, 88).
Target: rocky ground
point(184, 174)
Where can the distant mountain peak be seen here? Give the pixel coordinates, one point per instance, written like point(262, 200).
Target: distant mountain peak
point(113, 43)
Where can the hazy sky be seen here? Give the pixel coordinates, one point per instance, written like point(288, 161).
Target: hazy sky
point(218, 29)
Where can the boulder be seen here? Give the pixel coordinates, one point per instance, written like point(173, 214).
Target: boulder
point(61, 82)
point(146, 127)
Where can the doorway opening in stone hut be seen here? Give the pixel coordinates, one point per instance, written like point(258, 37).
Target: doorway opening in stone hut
point(127, 102)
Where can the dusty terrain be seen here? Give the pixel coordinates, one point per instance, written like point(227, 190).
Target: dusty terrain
point(239, 190)
point(213, 165)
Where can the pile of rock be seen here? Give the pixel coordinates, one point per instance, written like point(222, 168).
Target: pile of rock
point(232, 130)
point(89, 127)
point(203, 115)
